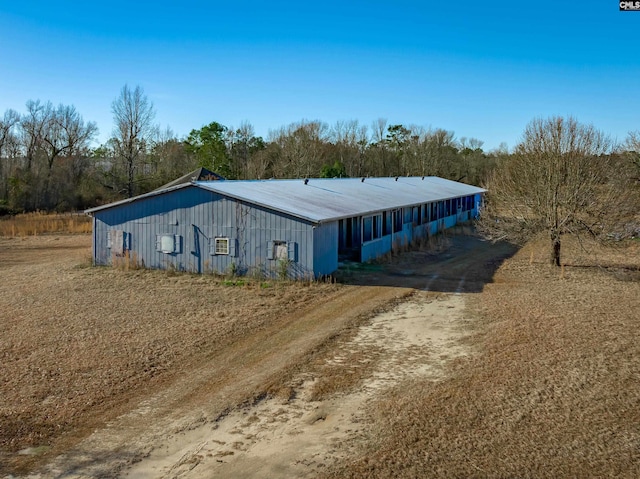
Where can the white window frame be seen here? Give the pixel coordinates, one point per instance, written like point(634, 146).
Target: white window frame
point(221, 246)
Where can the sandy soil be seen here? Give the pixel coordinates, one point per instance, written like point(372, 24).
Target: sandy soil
point(275, 382)
point(297, 437)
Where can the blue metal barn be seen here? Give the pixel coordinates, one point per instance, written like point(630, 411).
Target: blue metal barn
point(263, 226)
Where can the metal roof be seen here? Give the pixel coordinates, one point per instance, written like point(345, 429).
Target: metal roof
point(322, 199)
point(319, 199)
point(199, 174)
point(136, 198)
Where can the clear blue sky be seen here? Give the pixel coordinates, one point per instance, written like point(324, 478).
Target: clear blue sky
point(480, 69)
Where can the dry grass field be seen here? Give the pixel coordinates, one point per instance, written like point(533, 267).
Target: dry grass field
point(32, 224)
point(551, 389)
point(79, 344)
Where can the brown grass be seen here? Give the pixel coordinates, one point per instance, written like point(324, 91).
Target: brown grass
point(33, 224)
point(343, 374)
point(128, 261)
point(76, 342)
point(554, 390)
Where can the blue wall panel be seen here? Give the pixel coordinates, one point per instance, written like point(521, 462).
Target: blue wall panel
point(376, 248)
point(198, 217)
point(325, 248)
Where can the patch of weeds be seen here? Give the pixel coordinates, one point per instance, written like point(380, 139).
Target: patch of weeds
point(233, 269)
point(283, 269)
point(351, 269)
point(128, 261)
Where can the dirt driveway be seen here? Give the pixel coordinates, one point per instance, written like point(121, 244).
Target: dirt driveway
point(284, 394)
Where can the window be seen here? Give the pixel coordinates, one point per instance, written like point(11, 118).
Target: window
point(397, 222)
point(367, 228)
point(377, 226)
point(407, 215)
point(386, 223)
point(282, 250)
point(168, 243)
point(221, 245)
point(469, 202)
point(371, 227)
point(118, 241)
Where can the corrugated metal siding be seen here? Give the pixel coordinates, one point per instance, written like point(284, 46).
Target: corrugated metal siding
point(171, 213)
point(376, 248)
point(257, 228)
point(325, 248)
point(197, 217)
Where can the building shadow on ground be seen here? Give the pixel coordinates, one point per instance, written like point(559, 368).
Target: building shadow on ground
point(462, 262)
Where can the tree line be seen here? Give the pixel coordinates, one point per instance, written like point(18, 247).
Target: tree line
point(563, 178)
point(48, 160)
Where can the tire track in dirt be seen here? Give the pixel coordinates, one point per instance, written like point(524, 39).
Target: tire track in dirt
point(299, 437)
point(235, 375)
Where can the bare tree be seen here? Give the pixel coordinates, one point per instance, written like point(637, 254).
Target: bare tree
point(242, 143)
point(350, 141)
point(64, 133)
point(8, 139)
point(167, 160)
point(32, 129)
point(560, 180)
point(48, 133)
point(632, 146)
point(379, 148)
point(10, 119)
point(301, 147)
point(261, 164)
point(133, 115)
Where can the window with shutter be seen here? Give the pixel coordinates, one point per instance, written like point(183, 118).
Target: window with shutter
point(117, 242)
point(169, 243)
